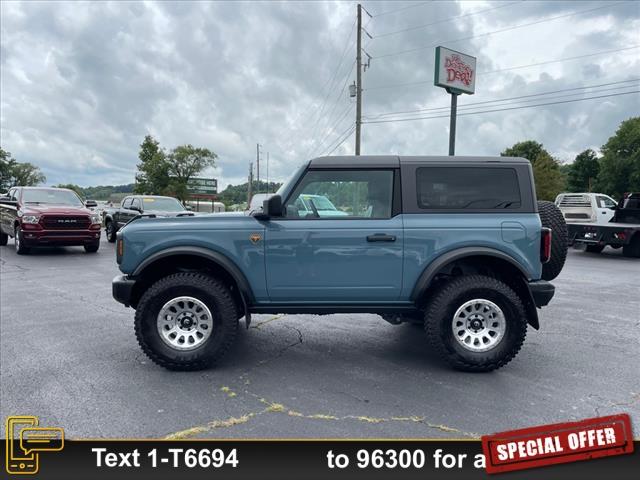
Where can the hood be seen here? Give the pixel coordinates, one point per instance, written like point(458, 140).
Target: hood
point(34, 208)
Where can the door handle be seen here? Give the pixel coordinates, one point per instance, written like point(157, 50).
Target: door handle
point(381, 237)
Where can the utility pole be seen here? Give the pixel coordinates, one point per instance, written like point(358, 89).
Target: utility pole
point(258, 165)
point(249, 184)
point(267, 172)
point(359, 80)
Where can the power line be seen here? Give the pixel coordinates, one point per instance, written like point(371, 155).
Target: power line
point(502, 104)
point(444, 20)
point(332, 129)
point(505, 109)
point(486, 34)
point(401, 9)
point(422, 82)
point(349, 132)
point(555, 61)
point(331, 82)
point(498, 100)
point(327, 119)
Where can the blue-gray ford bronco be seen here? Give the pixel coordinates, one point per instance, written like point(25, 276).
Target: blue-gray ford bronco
point(457, 244)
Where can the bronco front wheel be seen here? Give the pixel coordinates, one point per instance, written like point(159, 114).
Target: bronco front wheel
point(186, 321)
point(476, 323)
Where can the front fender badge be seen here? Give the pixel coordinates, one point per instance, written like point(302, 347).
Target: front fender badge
point(255, 238)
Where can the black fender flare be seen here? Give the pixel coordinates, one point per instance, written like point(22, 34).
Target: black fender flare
point(220, 259)
point(428, 274)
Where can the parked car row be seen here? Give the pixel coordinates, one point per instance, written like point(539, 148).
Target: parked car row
point(43, 216)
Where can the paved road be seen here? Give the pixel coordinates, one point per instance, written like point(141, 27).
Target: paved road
point(68, 355)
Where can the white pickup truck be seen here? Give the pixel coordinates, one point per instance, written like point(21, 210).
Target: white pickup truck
point(586, 207)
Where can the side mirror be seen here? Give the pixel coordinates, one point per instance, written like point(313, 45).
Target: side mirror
point(272, 207)
point(91, 204)
point(189, 208)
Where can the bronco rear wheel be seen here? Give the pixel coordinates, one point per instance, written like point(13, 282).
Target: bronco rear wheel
point(551, 217)
point(476, 323)
point(186, 321)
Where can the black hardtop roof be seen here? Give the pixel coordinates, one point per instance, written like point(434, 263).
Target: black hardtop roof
point(350, 161)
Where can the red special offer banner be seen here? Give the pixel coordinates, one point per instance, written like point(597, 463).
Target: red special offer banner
point(558, 443)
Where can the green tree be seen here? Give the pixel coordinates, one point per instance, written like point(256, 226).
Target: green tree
point(548, 177)
point(547, 171)
point(153, 170)
point(14, 173)
point(583, 172)
point(620, 163)
point(7, 164)
point(184, 163)
point(529, 149)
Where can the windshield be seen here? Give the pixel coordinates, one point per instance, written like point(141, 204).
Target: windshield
point(285, 187)
point(54, 197)
point(162, 204)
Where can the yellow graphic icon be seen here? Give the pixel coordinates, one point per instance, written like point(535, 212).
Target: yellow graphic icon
point(25, 441)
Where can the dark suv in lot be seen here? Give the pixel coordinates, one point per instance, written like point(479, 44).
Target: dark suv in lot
point(37, 216)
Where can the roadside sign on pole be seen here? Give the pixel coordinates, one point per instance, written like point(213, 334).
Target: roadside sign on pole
point(455, 71)
point(203, 186)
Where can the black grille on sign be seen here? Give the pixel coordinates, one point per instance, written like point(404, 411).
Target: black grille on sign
point(66, 222)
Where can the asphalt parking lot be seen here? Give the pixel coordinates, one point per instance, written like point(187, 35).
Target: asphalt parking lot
point(68, 355)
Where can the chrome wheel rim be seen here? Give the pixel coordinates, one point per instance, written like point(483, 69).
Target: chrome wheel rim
point(184, 323)
point(17, 240)
point(479, 325)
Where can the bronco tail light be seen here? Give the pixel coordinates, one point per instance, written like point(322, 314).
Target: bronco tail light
point(119, 250)
point(545, 245)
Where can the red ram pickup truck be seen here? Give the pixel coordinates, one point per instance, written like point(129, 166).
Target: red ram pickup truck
point(37, 216)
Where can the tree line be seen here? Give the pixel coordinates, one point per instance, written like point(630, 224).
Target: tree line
point(617, 171)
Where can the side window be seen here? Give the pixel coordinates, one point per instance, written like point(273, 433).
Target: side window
point(126, 203)
point(136, 204)
point(342, 194)
point(13, 194)
point(605, 202)
point(467, 188)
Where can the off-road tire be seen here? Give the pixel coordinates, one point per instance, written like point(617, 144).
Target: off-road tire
point(442, 307)
point(208, 290)
point(632, 249)
point(110, 230)
point(551, 217)
point(594, 248)
point(92, 247)
point(21, 248)
point(4, 238)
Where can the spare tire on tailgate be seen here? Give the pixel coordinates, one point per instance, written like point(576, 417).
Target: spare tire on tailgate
point(551, 217)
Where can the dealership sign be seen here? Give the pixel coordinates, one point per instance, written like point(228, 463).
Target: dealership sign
point(202, 186)
point(455, 71)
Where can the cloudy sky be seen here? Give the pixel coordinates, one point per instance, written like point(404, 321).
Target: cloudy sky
point(83, 83)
